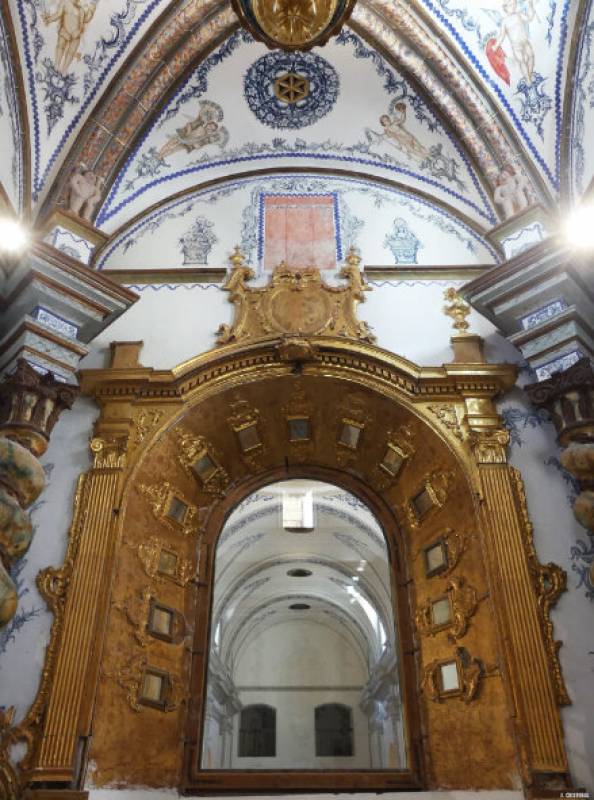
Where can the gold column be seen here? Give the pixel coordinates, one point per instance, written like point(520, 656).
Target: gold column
point(77, 661)
point(513, 567)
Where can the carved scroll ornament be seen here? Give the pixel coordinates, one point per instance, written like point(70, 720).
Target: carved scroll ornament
point(296, 302)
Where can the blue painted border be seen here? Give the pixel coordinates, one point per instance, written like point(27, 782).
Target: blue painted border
point(19, 139)
point(38, 178)
point(261, 219)
point(554, 179)
point(57, 316)
point(250, 180)
point(105, 216)
point(108, 211)
point(575, 178)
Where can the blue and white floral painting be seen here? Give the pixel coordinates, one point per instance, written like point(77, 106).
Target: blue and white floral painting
point(11, 163)
point(69, 50)
point(519, 49)
point(356, 112)
point(582, 156)
point(232, 213)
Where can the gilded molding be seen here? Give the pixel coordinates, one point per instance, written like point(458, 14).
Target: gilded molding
point(149, 554)
point(192, 449)
point(400, 446)
point(457, 309)
point(436, 484)
point(245, 422)
point(160, 495)
point(550, 581)
point(129, 677)
point(109, 451)
point(490, 447)
point(53, 586)
point(456, 544)
point(145, 422)
point(136, 611)
point(471, 672)
point(446, 413)
point(463, 600)
point(295, 302)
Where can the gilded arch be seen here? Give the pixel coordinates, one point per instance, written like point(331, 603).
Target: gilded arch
point(155, 424)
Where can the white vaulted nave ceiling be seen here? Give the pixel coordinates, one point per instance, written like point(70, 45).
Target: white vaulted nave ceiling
point(430, 104)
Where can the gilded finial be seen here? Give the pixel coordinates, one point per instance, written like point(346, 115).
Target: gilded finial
point(237, 258)
point(457, 308)
point(353, 259)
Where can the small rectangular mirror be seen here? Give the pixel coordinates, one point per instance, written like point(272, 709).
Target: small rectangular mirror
point(436, 558)
point(448, 677)
point(441, 611)
point(299, 429)
point(422, 503)
point(249, 438)
point(350, 435)
point(177, 509)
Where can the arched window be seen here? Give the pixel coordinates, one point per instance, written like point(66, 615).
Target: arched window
point(257, 731)
point(334, 730)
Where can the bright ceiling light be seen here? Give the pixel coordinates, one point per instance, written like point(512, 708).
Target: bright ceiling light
point(13, 237)
point(579, 227)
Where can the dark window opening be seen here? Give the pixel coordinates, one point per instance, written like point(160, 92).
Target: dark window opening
point(334, 730)
point(257, 732)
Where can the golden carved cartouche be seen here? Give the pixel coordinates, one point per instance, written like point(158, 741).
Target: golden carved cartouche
point(296, 302)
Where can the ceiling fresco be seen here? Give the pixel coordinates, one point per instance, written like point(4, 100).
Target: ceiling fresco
point(11, 129)
point(390, 226)
point(358, 114)
point(518, 49)
point(254, 555)
point(69, 51)
point(464, 106)
point(582, 119)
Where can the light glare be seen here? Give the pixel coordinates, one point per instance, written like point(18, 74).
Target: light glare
point(579, 228)
point(13, 237)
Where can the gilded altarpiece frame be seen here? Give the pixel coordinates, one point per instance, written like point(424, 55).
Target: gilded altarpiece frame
point(107, 683)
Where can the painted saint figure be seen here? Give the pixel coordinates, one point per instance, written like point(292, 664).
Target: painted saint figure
point(72, 19)
point(197, 133)
point(396, 134)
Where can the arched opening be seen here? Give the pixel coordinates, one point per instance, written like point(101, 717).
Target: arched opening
point(302, 627)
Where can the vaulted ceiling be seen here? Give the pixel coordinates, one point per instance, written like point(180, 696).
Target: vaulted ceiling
point(172, 104)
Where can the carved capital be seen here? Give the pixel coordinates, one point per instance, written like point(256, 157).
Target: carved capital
point(569, 398)
point(490, 447)
point(30, 404)
point(109, 452)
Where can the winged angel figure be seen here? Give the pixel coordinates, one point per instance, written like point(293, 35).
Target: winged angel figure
point(512, 39)
point(198, 132)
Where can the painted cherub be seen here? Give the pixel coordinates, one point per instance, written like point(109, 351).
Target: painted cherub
point(514, 30)
point(395, 133)
point(72, 19)
point(204, 129)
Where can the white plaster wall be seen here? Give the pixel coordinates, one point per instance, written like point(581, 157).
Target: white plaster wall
point(176, 324)
point(285, 659)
